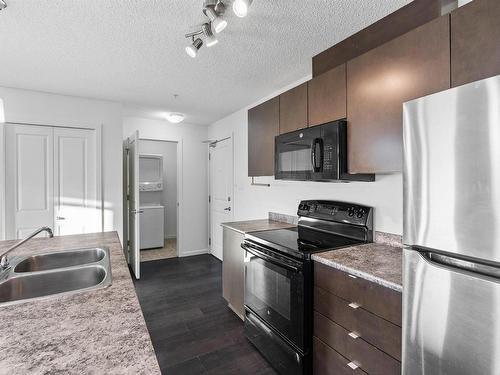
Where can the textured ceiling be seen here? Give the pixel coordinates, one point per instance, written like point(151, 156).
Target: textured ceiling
point(132, 51)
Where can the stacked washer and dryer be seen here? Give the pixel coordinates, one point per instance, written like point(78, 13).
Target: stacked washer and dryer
point(152, 227)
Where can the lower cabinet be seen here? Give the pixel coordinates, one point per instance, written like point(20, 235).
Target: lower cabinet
point(233, 271)
point(353, 333)
point(327, 361)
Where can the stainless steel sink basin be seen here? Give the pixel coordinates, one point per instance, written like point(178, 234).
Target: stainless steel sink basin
point(55, 273)
point(40, 284)
point(62, 259)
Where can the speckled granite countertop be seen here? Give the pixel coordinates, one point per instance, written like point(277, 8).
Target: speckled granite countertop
point(95, 332)
point(377, 262)
point(256, 225)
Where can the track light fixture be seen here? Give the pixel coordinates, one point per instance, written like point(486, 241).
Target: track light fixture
point(214, 16)
point(214, 10)
point(192, 49)
point(240, 7)
point(210, 39)
point(3, 4)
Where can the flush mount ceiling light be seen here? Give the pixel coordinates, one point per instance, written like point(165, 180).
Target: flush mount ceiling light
point(240, 7)
point(175, 117)
point(3, 4)
point(214, 10)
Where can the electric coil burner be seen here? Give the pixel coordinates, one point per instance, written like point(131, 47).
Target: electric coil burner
point(279, 278)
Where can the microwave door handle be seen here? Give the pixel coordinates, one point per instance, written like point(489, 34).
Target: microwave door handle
point(316, 142)
point(313, 154)
point(321, 154)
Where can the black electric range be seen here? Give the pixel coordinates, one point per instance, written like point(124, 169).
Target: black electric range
point(279, 278)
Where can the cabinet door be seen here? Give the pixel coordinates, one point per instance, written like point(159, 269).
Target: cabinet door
point(475, 37)
point(29, 161)
point(263, 126)
point(293, 109)
point(380, 81)
point(233, 271)
point(327, 96)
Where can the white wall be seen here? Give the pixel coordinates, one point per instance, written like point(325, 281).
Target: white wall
point(32, 107)
point(253, 202)
point(193, 176)
point(167, 197)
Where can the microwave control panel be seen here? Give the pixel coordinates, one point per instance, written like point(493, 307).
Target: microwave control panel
point(328, 158)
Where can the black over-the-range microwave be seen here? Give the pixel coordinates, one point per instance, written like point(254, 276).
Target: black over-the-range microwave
point(318, 153)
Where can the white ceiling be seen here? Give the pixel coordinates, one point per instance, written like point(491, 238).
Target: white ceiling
point(132, 51)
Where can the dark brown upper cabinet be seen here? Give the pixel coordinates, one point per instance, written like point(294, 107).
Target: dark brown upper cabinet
point(263, 126)
point(403, 20)
point(293, 109)
point(380, 81)
point(475, 41)
point(327, 96)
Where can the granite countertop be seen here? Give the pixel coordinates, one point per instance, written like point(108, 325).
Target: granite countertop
point(381, 263)
point(94, 332)
point(256, 225)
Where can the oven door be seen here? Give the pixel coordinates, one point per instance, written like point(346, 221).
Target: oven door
point(274, 291)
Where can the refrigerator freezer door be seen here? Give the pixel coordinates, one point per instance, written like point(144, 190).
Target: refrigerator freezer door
point(452, 171)
point(450, 320)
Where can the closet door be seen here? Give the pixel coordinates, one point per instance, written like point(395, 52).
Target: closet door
point(29, 179)
point(75, 187)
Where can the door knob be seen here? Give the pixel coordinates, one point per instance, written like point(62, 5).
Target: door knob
point(60, 218)
point(136, 211)
point(227, 209)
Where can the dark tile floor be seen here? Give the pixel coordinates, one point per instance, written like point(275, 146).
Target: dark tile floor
point(192, 329)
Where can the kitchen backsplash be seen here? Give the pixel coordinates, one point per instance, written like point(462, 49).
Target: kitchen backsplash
point(283, 218)
point(389, 239)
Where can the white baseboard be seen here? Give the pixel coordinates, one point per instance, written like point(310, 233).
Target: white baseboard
point(193, 252)
point(170, 236)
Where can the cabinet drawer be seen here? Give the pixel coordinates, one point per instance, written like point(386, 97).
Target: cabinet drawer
point(327, 361)
point(374, 330)
point(375, 298)
point(369, 358)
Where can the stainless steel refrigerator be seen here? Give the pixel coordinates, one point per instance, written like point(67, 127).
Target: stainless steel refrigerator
point(451, 273)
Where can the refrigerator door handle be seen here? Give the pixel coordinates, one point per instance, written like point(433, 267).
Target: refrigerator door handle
point(461, 264)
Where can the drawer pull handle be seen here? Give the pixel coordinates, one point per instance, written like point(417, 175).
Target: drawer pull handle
point(352, 276)
point(354, 305)
point(354, 335)
point(353, 365)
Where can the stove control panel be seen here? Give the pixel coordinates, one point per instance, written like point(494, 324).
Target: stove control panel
point(341, 212)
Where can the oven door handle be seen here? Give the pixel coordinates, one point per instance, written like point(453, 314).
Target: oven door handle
point(268, 258)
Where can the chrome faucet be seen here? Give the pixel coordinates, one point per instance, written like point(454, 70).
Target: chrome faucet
point(4, 263)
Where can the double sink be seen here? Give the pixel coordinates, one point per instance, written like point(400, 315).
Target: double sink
point(52, 273)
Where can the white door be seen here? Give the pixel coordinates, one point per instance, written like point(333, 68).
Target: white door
point(75, 189)
point(29, 188)
point(51, 180)
point(221, 191)
point(134, 217)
